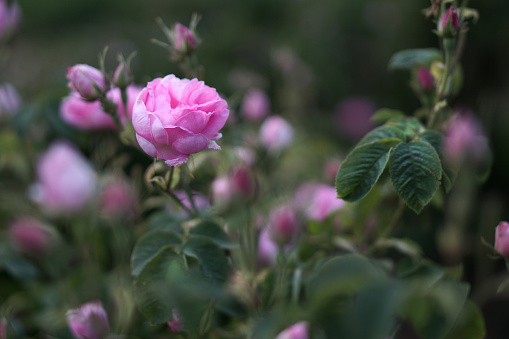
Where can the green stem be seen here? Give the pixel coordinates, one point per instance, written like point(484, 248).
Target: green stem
point(395, 219)
point(177, 200)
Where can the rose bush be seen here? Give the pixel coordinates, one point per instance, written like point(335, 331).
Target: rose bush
point(174, 118)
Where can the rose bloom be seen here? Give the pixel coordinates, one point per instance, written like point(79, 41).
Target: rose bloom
point(318, 201)
point(90, 115)
point(502, 238)
point(86, 80)
point(89, 321)
point(66, 181)
point(296, 331)
point(175, 118)
point(276, 134)
point(256, 105)
point(30, 235)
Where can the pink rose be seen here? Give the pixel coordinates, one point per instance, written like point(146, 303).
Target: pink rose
point(118, 199)
point(450, 22)
point(66, 181)
point(276, 134)
point(283, 225)
point(89, 321)
point(90, 115)
point(256, 105)
point(86, 80)
point(464, 140)
point(296, 331)
point(318, 201)
point(353, 117)
point(184, 39)
point(30, 235)
point(425, 79)
point(174, 118)
point(502, 238)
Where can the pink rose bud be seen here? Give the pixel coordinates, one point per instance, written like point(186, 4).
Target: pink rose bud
point(283, 225)
point(90, 321)
point(267, 249)
point(502, 238)
point(243, 182)
point(276, 134)
point(246, 155)
point(449, 24)
point(87, 81)
point(176, 323)
point(296, 331)
point(122, 76)
point(222, 192)
point(175, 118)
point(425, 79)
point(353, 117)
point(184, 40)
point(318, 201)
point(118, 200)
point(10, 101)
point(9, 18)
point(30, 235)
point(256, 105)
point(66, 181)
point(464, 140)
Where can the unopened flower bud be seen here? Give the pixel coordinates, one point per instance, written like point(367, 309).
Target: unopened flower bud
point(122, 76)
point(296, 331)
point(87, 81)
point(318, 201)
point(244, 182)
point(184, 40)
point(283, 225)
point(502, 239)
point(425, 79)
point(10, 100)
point(256, 105)
point(30, 235)
point(276, 134)
point(90, 321)
point(449, 24)
point(9, 18)
point(222, 192)
point(118, 200)
point(176, 323)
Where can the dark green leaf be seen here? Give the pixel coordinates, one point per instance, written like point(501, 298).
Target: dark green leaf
point(148, 246)
point(214, 232)
point(387, 114)
point(19, 267)
point(211, 257)
point(434, 138)
point(382, 132)
point(362, 168)
point(409, 126)
point(150, 288)
point(470, 323)
point(415, 170)
point(411, 57)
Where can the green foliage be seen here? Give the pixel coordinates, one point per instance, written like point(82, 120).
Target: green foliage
point(409, 58)
point(148, 247)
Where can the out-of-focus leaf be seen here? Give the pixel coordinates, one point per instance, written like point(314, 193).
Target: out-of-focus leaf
point(387, 114)
point(470, 323)
point(148, 246)
point(19, 267)
point(409, 58)
point(165, 221)
point(214, 232)
point(211, 257)
point(362, 168)
point(415, 170)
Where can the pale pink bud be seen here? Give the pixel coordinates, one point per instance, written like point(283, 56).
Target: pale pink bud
point(246, 155)
point(184, 40)
point(87, 81)
point(318, 201)
point(66, 181)
point(353, 117)
point(276, 134)
point(243, 182)
point(425, 79)
point(267, 249)
point(176, 323)
point(464, 140)
point(450, 23)
point(296, 331)
point(122, 75)
point(256, 105)
point(222, 191)
point(283, 225)
point(90, 321)
point(9, 18)
point(10, 101)
point(502, 238)
point(118, 200)
point(30, 235)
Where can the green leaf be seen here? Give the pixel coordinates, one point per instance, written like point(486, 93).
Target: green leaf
point(19, 267)
point(387, 114)
point(362, 168)
point(470, 323)
point(382, 132)
point(415, 170)
point(410, 127)
point(150, 288)
point(211, 257)
point(411, 57)
point(148, 246)
point(214, 232)
point(434, 138)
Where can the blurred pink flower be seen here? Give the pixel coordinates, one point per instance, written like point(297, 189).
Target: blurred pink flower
point(86, 80)
point(353, 117)
point(276, 134)
point(174, 118)
point(89, 321)
point(222, 192)
point(200, 201)
point(256, 105)
point(30, 235)
point(66, 181)
point(176, 323)
point(318, 201)
point(118, 199)
point(283, 225)
point(425, 79)
point(464, 140)
point(184, 40)
point(90, 115)
point(502, 238)
point(246, 155)
point(10, 101)
point(9, 17)
point(267, 249)
point(331, 169)
point(296, 331)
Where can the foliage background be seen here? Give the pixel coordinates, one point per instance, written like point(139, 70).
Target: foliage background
point(344, 47)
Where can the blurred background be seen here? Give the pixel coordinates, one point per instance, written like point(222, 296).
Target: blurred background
point(312, 57)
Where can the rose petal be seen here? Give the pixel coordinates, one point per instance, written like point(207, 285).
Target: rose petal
point(216, 122)
point(194, 121)
point(190, 144)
